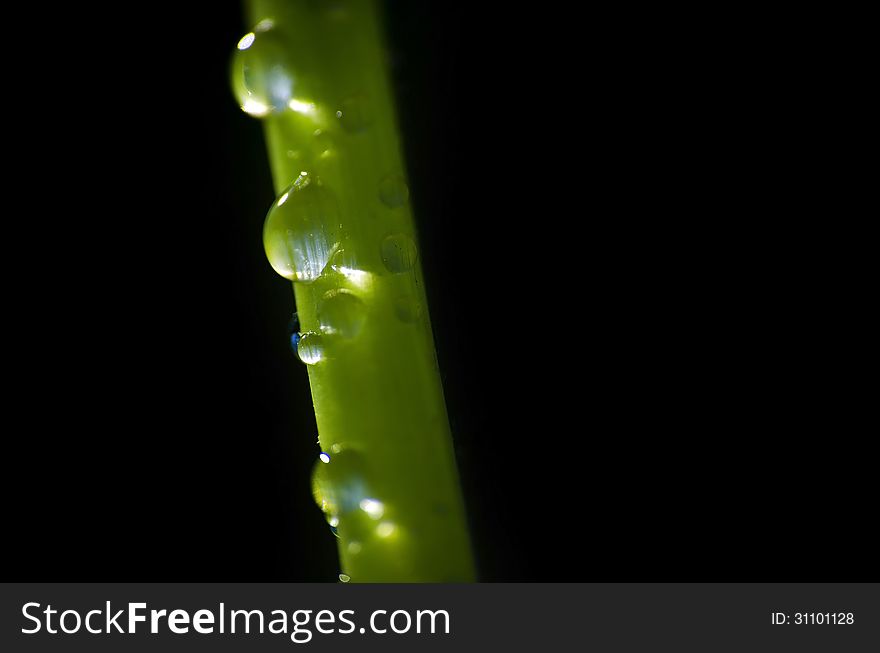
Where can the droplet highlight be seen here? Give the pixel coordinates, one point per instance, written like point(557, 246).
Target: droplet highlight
point(246, 41)
point(393, 191)
point(399, 253)
point(373, 507)
point(341, 313)
point(324, 457)
point(344, 578)
point(301, 229)
point(310, 348)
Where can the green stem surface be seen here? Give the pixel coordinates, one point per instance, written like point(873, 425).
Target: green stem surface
point(391, 481)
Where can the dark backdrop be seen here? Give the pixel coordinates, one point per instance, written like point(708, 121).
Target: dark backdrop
point(624, 339)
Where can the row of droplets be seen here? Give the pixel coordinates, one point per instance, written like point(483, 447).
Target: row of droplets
point(342, 313)
point(304, 240)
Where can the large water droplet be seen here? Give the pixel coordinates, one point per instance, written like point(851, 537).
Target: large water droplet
point(310, 348)
point(341, 312)
point(301, 230)
point(355, 113)
point(399, 253)
point(262, 74)
point(393, 191)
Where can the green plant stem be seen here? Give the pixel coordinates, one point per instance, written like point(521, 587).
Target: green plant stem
point(378, 398)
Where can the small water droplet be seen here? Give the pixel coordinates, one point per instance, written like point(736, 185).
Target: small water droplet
point(310, 348)
point(324, 457)
point(407, 309)
point(354, 548)
point(355, 113)
point(301, 233)
point(344, 490)
point(393, 191)
point(262, 75)
point(293, 334)
point(341, 312)
point(339, 487)
point(344, 578)
point(399, 253)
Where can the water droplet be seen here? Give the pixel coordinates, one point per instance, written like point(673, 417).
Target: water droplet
point(333, 521)
point(393, 191)
point(324, 457)
point(340, 486)
point(301, 230)
point(341, 312)
point(310, 348)
point(354, 548)
point(399, 253)
point(407, 309)
point(293, 334)
point(344, 578)
point(262, 76)
point(355, 113)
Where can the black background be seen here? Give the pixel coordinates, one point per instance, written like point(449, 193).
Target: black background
point(626, 321)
